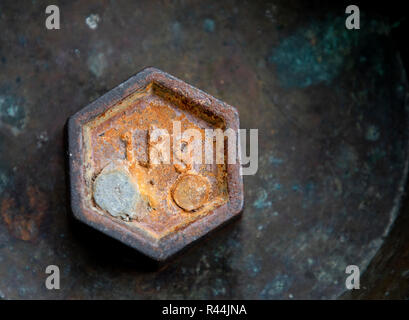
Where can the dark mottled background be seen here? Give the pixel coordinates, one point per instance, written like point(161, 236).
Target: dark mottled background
point(332, 112)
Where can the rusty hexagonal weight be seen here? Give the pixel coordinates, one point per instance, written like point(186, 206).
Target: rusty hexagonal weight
point(157, 207)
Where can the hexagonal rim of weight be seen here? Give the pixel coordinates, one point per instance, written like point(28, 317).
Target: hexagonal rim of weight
point(167, 246)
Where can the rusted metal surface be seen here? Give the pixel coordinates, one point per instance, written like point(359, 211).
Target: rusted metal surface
point(164, 206)
point(333, 142)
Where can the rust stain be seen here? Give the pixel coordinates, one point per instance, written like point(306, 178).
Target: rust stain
point(24, 222)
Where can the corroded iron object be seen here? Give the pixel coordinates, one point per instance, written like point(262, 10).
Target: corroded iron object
point(157, 208)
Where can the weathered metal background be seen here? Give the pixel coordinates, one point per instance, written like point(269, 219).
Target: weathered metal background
point(330, 108)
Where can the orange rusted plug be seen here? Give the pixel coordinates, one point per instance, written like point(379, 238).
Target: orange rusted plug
point(142, 166)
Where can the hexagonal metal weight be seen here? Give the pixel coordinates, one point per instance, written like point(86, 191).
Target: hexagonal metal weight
point(156, 207)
